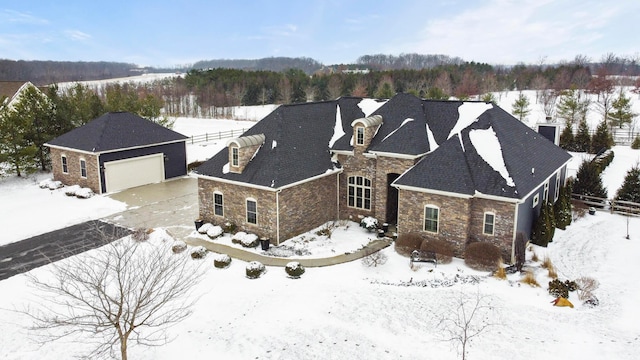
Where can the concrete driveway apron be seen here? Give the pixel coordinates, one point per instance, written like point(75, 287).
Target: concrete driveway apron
point(171, 204)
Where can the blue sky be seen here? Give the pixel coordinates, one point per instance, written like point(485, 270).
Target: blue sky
point(168, 33)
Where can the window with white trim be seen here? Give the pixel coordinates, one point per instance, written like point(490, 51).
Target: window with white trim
point(536, 199)
point(359, 192)
point(431, 218)
point(359, 135)
point(65, 165)
point(218, 204)
point(252, 211)
point(557, 190)
point(545, 194)
point(489, 223)
point(83, 168)
point(235, 156)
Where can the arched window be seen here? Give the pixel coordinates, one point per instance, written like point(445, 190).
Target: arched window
point(359, 192)
point(431, 218)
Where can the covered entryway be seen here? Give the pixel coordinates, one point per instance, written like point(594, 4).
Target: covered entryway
point(137, 171)
point(392, 200)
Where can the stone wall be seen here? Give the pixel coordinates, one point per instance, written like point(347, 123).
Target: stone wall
point(307, 206)
point(503, 227)
point(356, 165)
point(234, 206)
point(453, 226)
point(73, 175)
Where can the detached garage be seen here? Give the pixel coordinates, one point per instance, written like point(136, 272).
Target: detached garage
point(117, 151)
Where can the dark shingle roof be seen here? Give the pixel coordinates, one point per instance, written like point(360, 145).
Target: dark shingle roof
point(457, 166)
point(116, 130)
point(296, 144)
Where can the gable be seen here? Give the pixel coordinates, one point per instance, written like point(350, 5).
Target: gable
point(115, 131)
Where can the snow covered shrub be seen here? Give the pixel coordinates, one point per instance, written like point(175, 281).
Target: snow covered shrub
point(214, 232)
point(44, 184)
point(255, 269)
point(369, 223)
point(71, 190)
point(204, 228)
point(178, 247)
point(482, 256)
point(405, 244)
point(558, 289)
point(229, 227)
point(442, 249)
point(586, 286)
point(54, 185)
point(246, 240)
point(199, 252)
point(373, 259)
point(222, 261)
point(294, 269)
point(529, 278)
point(84, 193)
point(140, 234)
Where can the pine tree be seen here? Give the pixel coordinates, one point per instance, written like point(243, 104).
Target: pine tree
point(35, 106)
point(636, 143)
point(571, 108)
point(15, 147)
point(488, 97)
point(621, 113)
point(520, 107)
point(551, 220)
point(588, 181)
point(630, 189)
point(567, 140)
point(543, 230)
point(562, 209)
point(602, 139)
point(583, 138)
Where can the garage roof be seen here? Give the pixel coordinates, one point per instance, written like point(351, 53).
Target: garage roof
point(115, 131)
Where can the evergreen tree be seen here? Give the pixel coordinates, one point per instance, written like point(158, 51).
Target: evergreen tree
point(520, 107)
point(588, 181)
point(562, 208)
point(436, 93)
point(630, 189)
point(385, 91)
point(571, 108)
point(621, 113)
point(636, 143)
point(35, 106)
point(602, 139)
point(542, 232)
point(567, 140)
point(489, 97)
point(551, 220)
point(583, 138)
point(15, 147)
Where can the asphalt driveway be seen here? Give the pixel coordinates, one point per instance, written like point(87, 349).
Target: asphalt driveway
point(22, 256)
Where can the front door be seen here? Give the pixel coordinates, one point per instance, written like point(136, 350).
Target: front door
point(392, 200)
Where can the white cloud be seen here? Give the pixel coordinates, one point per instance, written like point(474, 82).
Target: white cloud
point(11, 16)
point(77, 35)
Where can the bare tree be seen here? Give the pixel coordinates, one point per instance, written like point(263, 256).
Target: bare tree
point(124, 292)
point(467, 317)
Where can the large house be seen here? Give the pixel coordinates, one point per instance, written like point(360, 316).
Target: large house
point(457, 171)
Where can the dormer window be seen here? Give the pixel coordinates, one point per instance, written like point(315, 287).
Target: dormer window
point(235, 156)
point(360, 135)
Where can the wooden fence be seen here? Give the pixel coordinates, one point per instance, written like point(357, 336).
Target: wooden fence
point(216, 136)
point(613, 206)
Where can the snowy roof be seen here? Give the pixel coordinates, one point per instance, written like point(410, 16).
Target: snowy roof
point(470, 146)
point(492, 154)
point(298, 136)
point(114, 131)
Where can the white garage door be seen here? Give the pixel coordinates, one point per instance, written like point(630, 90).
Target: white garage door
point(127, 173)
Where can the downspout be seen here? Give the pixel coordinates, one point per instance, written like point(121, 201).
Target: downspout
point(515, 233)
point(278, 216)
point(338, 196)
point(100, 173)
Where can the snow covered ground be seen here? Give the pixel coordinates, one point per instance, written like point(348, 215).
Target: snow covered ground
point(351, 311)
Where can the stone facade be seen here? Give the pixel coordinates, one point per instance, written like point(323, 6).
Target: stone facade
point(73, 175)
point(461, 220)
point(235, 206)
point(503, 224)
point(358, 165)
point(245, 153)
point(384, 167)
point(301, 208)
